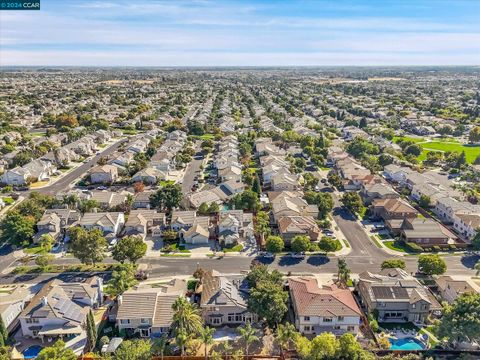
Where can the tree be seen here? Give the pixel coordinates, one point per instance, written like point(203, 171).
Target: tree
point(159, 345)
point(286, 335)
point(431, 264)
point(87, 205)
point(334, 180)
point(353, 202)
point(476, 240)
point(414, 149)
point(203, 209)
point(325, 204)
point(123, 278)
point(134, 350)
point(248, 336)
point(186, 318)
point(424, 201)
point(393, 264)
point(461, 320)
point(168, 197)
point(269, 301)
point(169, 235)
point(461, 160)
point(88, 246)
point(206, 336)
point(259, 274)
point(274, 244)
point(303, 347)
point(44, 260)
point(300, 243)
point(91, 330)
point(56, 352)
point(262, 223)
point(324, 346)
point(138, 187)
point(131, 248)
point(3, 333)
point(256, 187)
point(214, 208)
point(474, 135)
point(247, 200)
point(343, 271)
point(17, 229)
point(327, 244)
point(349, 348)
point(46, 241)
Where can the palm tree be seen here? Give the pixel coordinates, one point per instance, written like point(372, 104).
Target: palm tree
point(343, 272)
point(227, 349)
point(206, 335)
point(186, 317)
point(181, 339)
point(285, 334)
point(248, 335)
point(159, 345)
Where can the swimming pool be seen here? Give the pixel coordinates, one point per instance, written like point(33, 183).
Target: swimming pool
point(408, 343)
point(31, 352)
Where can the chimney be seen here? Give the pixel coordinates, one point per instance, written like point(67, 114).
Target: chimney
point(44, 301)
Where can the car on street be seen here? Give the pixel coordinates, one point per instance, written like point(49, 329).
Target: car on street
point(267, 255)
point(299, 255)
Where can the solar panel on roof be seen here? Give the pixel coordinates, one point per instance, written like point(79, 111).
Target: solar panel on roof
point(382, 292)
point(400, 293)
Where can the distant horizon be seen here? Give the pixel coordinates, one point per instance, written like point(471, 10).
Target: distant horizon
point(250, 33)
point(245, 66)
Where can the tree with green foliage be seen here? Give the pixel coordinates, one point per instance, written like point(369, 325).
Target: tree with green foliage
point(203, 209)
point(131, 248)
point(206, 337)
point(262, 223)
point(260, 273)
point(461, 160)
point(46, 242)
point(286, 335)
point(168, 197)
point(461, 320)
point(269, 301)
point(327, 244)
point(17, 229)
point(247, 200)
point(88, 246)
point(56, 352)
point(87, 205)
point(324, 346)
point(256, 187)
point(3, 333)
point(44, 260)
point(91, 330)
point(424, 201)
point(353, 202)
point(123, 278)
point(186, 316)
point(476, 241)
point(334, 180)
point(159, 345)
point(138, 349)
point(300, 243)
point(343, 271)
point(393, 264)
point(360, 147)
point(413, 149)
point(474, 135)
point(274, 244)
point(248, 335)
point(431, 264)
point(214, 208)
point(349, 348)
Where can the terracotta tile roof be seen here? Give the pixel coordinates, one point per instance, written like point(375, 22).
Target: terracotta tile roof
point(311, 300)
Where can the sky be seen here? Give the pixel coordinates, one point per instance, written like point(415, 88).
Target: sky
point(242, 33)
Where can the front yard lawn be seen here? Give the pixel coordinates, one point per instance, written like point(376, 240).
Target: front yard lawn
point(236, 248)
point(396, 245)
point(34, 249)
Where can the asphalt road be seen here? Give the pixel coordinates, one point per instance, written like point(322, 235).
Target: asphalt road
point(190, 172)
point(64, 182)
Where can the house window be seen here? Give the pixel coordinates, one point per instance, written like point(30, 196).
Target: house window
point(231, 317)
point(327, 320)
point(306, 318)
point(340, 318)
point(35, 332)
point(216, 321)
point(238, 317)
point(31, 321)
point(414, 306)
point(125, 321)
point(307, 328)
point(337, 327)
point(350, 328)
point(144, 321)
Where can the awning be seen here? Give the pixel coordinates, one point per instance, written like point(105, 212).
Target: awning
point(56, 330)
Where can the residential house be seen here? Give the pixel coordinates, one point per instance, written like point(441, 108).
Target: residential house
point(142, 200)
point(13, 300)
point(230, 173)
point(291, 226)
point(182, 219)
point(17, 176)
point(290, 203)
point(393, 211)
point(286, 181)
point(107, 222)
point(108, 199)
point(143, 222)
point(319, 309)
point(397, 296)
point(424, 232)
point(150, 176)
point(54, 222)
point(234, 226)
point(222, 302)
point(104, 174)
point(147, 311)
point(370, 192)
point(60, 309)
point(450, 289)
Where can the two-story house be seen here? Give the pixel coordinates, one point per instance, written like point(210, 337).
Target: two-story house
point(323, 309)
point(108, 222)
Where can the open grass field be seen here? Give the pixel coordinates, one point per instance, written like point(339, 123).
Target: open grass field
point(471, 152)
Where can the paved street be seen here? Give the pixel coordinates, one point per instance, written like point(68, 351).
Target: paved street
point(190, 172)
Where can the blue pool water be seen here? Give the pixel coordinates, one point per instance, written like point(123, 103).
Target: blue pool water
point(408, 343)
point(31, 352)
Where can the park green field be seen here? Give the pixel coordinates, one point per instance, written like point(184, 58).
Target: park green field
point(471, 151)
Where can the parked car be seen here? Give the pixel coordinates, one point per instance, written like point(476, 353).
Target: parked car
point(267, 255)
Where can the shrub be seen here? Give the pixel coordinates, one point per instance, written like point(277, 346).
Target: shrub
point(437, 248)
point(414, 247)
point(453, 247)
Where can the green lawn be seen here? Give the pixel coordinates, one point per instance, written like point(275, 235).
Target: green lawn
point(8, 200)
point(395, 245)
point(236, 248)
point(204, 137)
point(397, 139)
point(34, 249)
point(471, 152)
point(375, 240)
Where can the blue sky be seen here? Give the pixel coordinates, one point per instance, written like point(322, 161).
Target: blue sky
point(243, 33)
